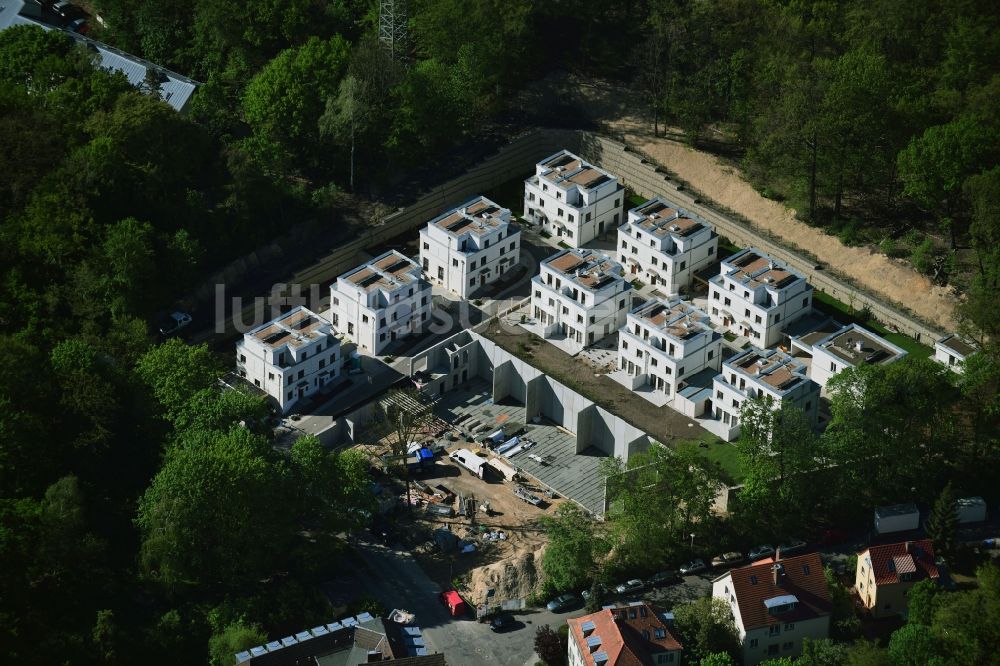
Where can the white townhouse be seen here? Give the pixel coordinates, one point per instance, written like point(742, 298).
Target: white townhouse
point(581, 296)
point(850, 347)
point(574, 201)
point(380, 301)
point(469, 246)
point(664, 245)
point(761, 372)
point(952, 351)
point(776, 603)
point(290, 357)
point(756, 296)
point(663, 342)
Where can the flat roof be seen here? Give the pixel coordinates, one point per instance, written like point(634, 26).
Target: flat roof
point(387, 271)
point(296, 328)
point(479, 215)
point(565, 168)
point(754, 268)
point(661, 218)
point(677, 319)
point(896, 510)
point(585, 267)
point(957, 345)
point(856, 345)
point(772, 367)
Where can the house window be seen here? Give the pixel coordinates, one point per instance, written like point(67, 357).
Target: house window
point(787, 645)
point(789, 626)
point(364, 319)
point(718, 395)
point(711, 250)
point(270, 376)
point(302, 373)
point(454, 262)
point(336, 301)
point(559, 212)
point(711, 353)
point(322, 363)
point(753, 642)
point(727, 301)
point(290, 394)
point(805, 302)
point(426, 246)
point(472, 281)
point(618, 202)
point(683, 265)
point(774, 630)
point(808, 405)
point(243, 358)
point(756, 319)
point(624, 344)
point(624, 244)
point(715, 294)
point(571, 218)
point(256, 383)
point(777, 318)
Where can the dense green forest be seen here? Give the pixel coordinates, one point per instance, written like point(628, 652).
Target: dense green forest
point(125, 486)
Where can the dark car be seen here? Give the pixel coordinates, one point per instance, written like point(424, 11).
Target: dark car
point(68, 11)
point(503, 622)
point(664, 578)
point(760, 552)
point(563, 602)
point(792, 546)
point(174, 322)
point(634, 585)
point(693, 567)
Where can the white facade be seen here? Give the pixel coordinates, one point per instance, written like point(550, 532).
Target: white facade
point(757, 297)
point(952, 351)
point(380, 301)
point(573, 200)
point(469, 246)
point(850, 347)
point(664, 245)
point(664, 342)
point(291, 357)
point(754, 373)
point(580, 295)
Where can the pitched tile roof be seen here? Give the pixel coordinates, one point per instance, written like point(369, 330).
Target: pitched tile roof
point(621, 633)
point(800, 576)
point(913, 557)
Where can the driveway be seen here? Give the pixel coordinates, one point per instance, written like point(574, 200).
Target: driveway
point(397, 581)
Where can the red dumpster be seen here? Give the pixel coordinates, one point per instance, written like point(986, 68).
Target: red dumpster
point(454, 602)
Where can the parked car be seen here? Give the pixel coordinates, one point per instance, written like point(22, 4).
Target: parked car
point(664, 578)
point(728, 559)
point(79, 25)
point(633, 585)
point(692, 567)
point(68, 10)
point(502, 622)
point(792, 546)
point(563, 602)
point(174, 322)
point(601, 589)
point(760, 552)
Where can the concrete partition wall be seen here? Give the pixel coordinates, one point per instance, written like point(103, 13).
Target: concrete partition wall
point(532, 404)
point(503, 375)
point(614, 436)
point(585, 434)
point(562, 405)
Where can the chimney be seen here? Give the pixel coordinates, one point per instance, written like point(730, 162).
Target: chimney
point(776, 572)
point(374, 656)
point(777, 553)
point(858, 345)
point(909, 547)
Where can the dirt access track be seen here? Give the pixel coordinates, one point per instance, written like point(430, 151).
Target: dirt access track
point(896, 281)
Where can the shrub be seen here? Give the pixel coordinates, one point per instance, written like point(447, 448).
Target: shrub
point(923, 256)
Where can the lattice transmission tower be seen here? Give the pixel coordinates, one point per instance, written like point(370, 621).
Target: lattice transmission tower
point(392, 27)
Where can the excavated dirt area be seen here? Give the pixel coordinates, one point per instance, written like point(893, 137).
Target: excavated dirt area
point(508, 542)
point(895, 280)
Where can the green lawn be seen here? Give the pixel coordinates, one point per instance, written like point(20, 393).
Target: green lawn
point(722, 454)
point(634, 200)
point(843, 312)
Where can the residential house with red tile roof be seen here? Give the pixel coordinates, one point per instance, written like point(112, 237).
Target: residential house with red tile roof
point(886, 573)
point(634, 635)
point(775, 604)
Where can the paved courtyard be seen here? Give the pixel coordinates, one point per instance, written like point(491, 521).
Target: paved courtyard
point(552, 460)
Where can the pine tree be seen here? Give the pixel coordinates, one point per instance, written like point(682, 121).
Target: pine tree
point(943, 522)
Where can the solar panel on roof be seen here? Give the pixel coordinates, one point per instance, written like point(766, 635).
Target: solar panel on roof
point(259, 650)
point(588, 626)
point(349, 622)
point(320, 631)
point(335, 626)
point(364, 617)
point(303, 636)
point(288, 640)
point(243, 656)
point(274, 645)
point(593, 641)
